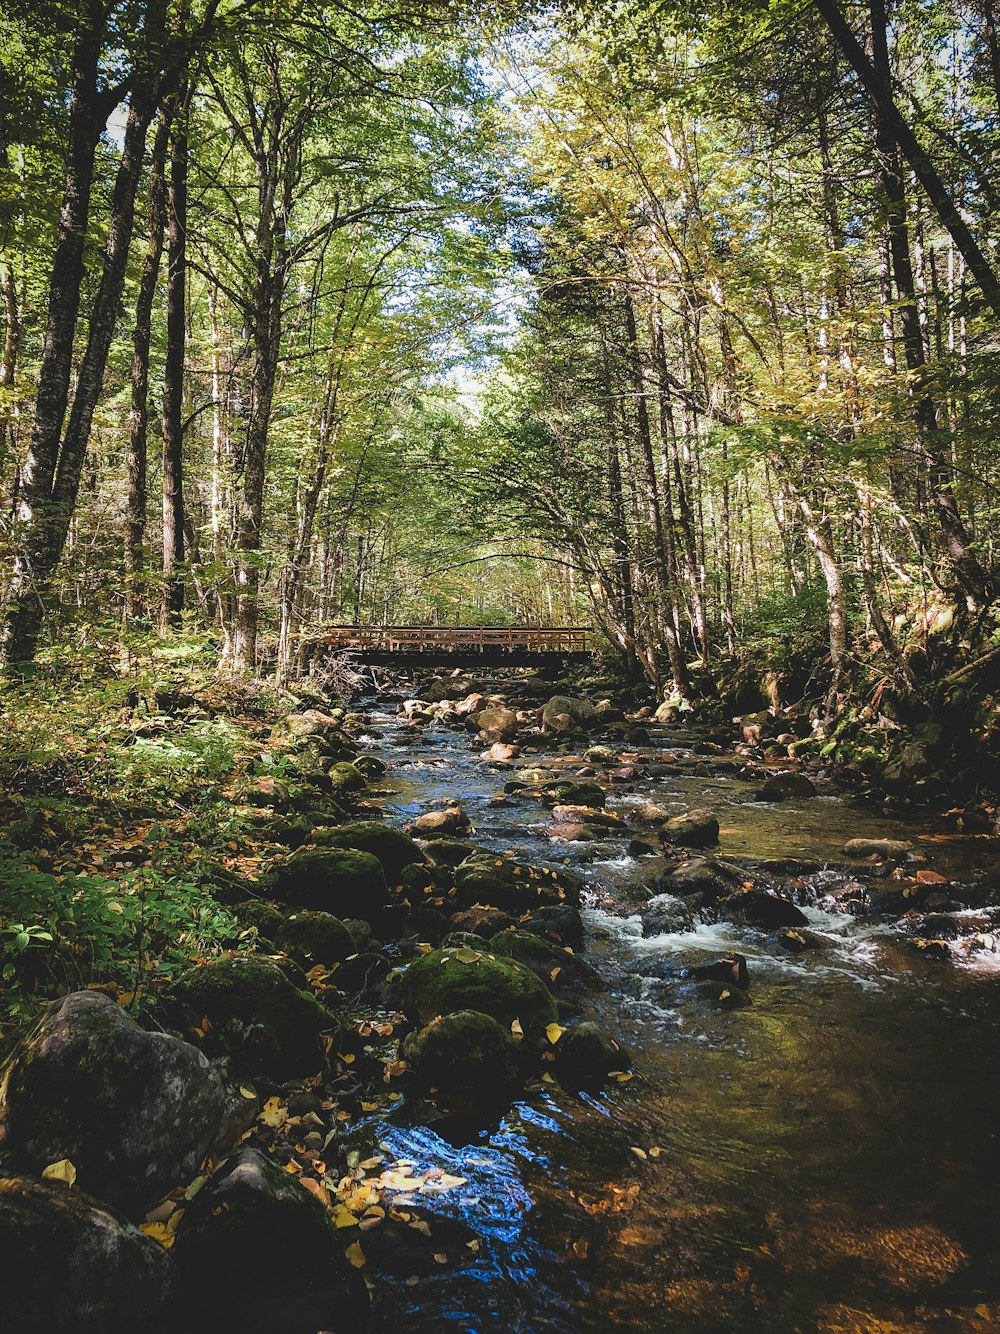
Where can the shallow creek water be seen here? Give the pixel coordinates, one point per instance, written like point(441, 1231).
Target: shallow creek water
point(827, 1157)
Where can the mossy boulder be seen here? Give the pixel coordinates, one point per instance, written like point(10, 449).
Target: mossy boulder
point(578, 794)
point(393, 849)
point(466, 1050)
point(516, 887)
point(446, 981)
point(266, 918)
point(315, 938)
point(451, 851)
point(134, 1111)
point(561, 971)
point(345, 779)
point(342, 881)
point(694, 829)
point(705, 878)
point(256, 1016)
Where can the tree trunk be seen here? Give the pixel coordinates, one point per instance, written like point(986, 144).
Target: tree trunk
point(173, 375)
point(135, 525)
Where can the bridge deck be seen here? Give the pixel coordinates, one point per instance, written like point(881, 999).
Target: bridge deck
point(514, 646)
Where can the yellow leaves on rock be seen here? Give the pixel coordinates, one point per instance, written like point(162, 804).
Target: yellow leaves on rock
point(554, 1032)
point(63, 1171)
point(517, 1030)
point(164, 1232)
point(465, 956)
point(275, 1113)
point(355, 1255)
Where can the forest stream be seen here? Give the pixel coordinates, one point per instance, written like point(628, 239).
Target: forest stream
point(825, 1158)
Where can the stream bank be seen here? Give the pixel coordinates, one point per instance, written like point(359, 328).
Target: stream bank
point(807, 1146)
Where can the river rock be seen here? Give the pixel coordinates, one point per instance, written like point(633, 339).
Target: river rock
point(466, 1051)
point(726, 994)
point(335, 880)
point(561, 971)
point(797, 941)
point(758, 908)
point(481, 921)
point(706, 877)
point(442, 824)
point(312, 722)
point(560, 922)
point(446, 981)
point(135, 1112)
point(890, 848)
point(496, 723)
point(71, 1265)
point(516, 887)
point(256, 1016)
point(586, 1056)
point(315, 938)
point(591, 795)
point(501, 752)
point(563, 713)
point(694, 829)
point(666, 914)
point(731, 971)
point(601, 754)
point(345, 779)
point(787, 787)
point(451, 851)
point(256, 1254)
point(393, 849)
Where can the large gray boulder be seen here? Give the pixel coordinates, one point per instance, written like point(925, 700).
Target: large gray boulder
point(135, 1112)
point(69, 1265)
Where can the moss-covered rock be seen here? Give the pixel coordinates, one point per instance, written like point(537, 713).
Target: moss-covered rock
point(315, 938)
point(516, 887)
point(451, 851)
point(694, 829)
point(563, 972)
point(578, 794)
point(342, 881)
point(466, 1050)
point(446, 981)
point(255, 1015)
point(393, 849)
point(345, 779)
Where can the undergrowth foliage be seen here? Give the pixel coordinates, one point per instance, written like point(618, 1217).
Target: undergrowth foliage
point(114, 823)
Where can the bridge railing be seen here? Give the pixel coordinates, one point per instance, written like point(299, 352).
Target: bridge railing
point(464, 639)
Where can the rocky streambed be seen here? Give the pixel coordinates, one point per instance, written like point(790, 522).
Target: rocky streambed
point(544, 1017)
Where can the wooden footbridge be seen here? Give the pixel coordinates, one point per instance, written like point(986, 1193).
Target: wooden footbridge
point(458, 645)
